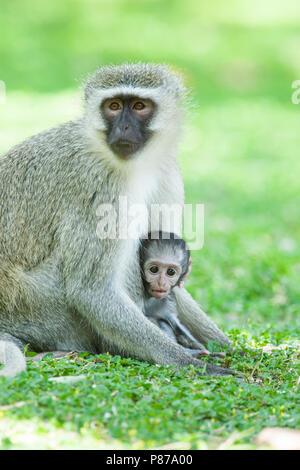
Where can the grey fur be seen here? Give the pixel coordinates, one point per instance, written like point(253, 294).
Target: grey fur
point(61, 287)
point(164, 314)
point(135, 75)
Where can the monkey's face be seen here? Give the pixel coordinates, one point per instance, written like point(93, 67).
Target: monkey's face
point(127, 119)
point(161, 276)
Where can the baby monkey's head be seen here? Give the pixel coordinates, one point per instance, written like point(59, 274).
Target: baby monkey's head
point(165, 262)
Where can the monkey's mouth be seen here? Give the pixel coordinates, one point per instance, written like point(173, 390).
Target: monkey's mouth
point(124, 148)
point(159, 293)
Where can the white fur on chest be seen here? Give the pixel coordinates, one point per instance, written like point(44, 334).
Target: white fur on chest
point(142, 184)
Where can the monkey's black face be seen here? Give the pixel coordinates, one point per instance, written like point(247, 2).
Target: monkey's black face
point(127, 119)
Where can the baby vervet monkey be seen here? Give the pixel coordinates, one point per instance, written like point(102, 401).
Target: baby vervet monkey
point(165, 263)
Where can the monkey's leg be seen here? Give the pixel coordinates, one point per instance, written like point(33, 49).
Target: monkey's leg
point(134, 335)
point(195, 348)
point(176, 331)
point(166, 328)
point(184, 337)
point(197, 322)
point(11, 355)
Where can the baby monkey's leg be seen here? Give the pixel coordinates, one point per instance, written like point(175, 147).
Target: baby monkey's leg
point(173, 328)
point(196, 351)
point(192, 346)
point(167, 328)
point(179, 333)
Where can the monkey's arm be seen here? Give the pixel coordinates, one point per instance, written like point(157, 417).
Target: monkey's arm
point(167, 329)
point(198, 323)
point(119, 320)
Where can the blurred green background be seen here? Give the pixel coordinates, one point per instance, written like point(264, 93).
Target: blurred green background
point(234, 48)
point(239, 154)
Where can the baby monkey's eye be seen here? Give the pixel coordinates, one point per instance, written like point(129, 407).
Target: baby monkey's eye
point(114, 106)
point(139, 106)
point(171, 272)
point(154, 269)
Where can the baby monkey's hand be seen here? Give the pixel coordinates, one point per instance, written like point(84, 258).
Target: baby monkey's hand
point(198, 353)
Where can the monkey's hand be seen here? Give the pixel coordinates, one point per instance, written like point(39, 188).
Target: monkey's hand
point(204, 352)
point(198, 352)
point(218, 354)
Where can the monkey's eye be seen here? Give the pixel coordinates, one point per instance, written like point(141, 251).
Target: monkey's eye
point(114, 106)
point(154, 269)
point(171, 272)
point(139, 106)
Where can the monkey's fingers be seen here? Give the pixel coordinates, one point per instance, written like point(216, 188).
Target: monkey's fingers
point(204, 352)
point(198, 352)
point(218, 354)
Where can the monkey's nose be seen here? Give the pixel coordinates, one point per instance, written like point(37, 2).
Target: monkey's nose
point(162, 283)
point(122, 133)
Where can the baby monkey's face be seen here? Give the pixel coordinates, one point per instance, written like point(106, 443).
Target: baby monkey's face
point(161, 276)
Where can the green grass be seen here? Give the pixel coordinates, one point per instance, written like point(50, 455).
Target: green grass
point(239, 156)
point(129, 404)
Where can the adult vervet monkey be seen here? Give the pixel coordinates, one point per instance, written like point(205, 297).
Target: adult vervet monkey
point(61, 286)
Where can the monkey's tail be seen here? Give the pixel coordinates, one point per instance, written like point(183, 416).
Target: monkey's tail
point(12, 359)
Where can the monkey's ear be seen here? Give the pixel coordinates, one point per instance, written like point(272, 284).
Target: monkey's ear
point(181, 283)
